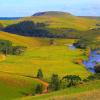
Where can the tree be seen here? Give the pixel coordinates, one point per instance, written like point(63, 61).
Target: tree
point(72, 80)
point(54, 83)
point(17, 50)
point(39, 89)
point(97, 68)
point(91, 77)
point(4, 46)
point(95, 76)
point(40, 74)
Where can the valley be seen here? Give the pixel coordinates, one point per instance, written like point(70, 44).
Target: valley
point(47, 37)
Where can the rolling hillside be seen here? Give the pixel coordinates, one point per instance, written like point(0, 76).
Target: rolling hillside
point(14, 86)
point(52, 56)
point(89, 91)
point(62, 20)
point(40, 53)
point(51, 24)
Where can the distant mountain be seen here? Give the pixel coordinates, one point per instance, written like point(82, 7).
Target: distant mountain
point(52, 13)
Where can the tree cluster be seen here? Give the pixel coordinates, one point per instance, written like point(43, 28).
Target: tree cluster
point(65, 82)
point(30, 28)
point(97, 68)
point(6, 47)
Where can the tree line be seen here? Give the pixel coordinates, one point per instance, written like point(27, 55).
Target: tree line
point(40, 29)
point(67, 81)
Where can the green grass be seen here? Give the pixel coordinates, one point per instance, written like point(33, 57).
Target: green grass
point(14, 86)
point(68, 93)
point(7, 22)
point(56, 59)
point(51, 59)
point(65, 21)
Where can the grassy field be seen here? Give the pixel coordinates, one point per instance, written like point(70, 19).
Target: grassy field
point(14, 86)
point(51, 59)
point(74, 93)
point(6, 22)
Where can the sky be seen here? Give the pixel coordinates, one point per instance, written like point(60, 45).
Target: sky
point(20, 8)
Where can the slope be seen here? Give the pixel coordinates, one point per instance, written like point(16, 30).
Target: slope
point(74, 93)
point(52, 24)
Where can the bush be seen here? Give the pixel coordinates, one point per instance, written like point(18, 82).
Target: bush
point(97, 75)
point(54, 83)
point(39, 89)
point(40, 74)
point(6, 47)
point(91, 77)
point(17, 50)
point(97, 68)
point(72, 80)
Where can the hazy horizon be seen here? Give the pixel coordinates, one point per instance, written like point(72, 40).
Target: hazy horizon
point(21, 8)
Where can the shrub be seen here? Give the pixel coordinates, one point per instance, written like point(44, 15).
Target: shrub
point(7, 48)
point(54, 83)
point(97, 68)
point(17, 50)
point(40, 74)
point(91, 77)
point(72, 80)
point(39, 89)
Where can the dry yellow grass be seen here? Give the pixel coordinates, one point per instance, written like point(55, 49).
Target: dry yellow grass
point(90, 95)
point(2, 57)
point(21, 40)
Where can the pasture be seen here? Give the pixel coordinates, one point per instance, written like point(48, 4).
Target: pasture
point(88, 91)
point(13, 86)
point(52, 59)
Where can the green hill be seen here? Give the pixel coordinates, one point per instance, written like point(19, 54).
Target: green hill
point(52, 13)
point(51, 24)
point(52, 56)
point(89, 91)
point(57, 19)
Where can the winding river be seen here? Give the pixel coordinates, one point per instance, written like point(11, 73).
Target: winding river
point(93, 59)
